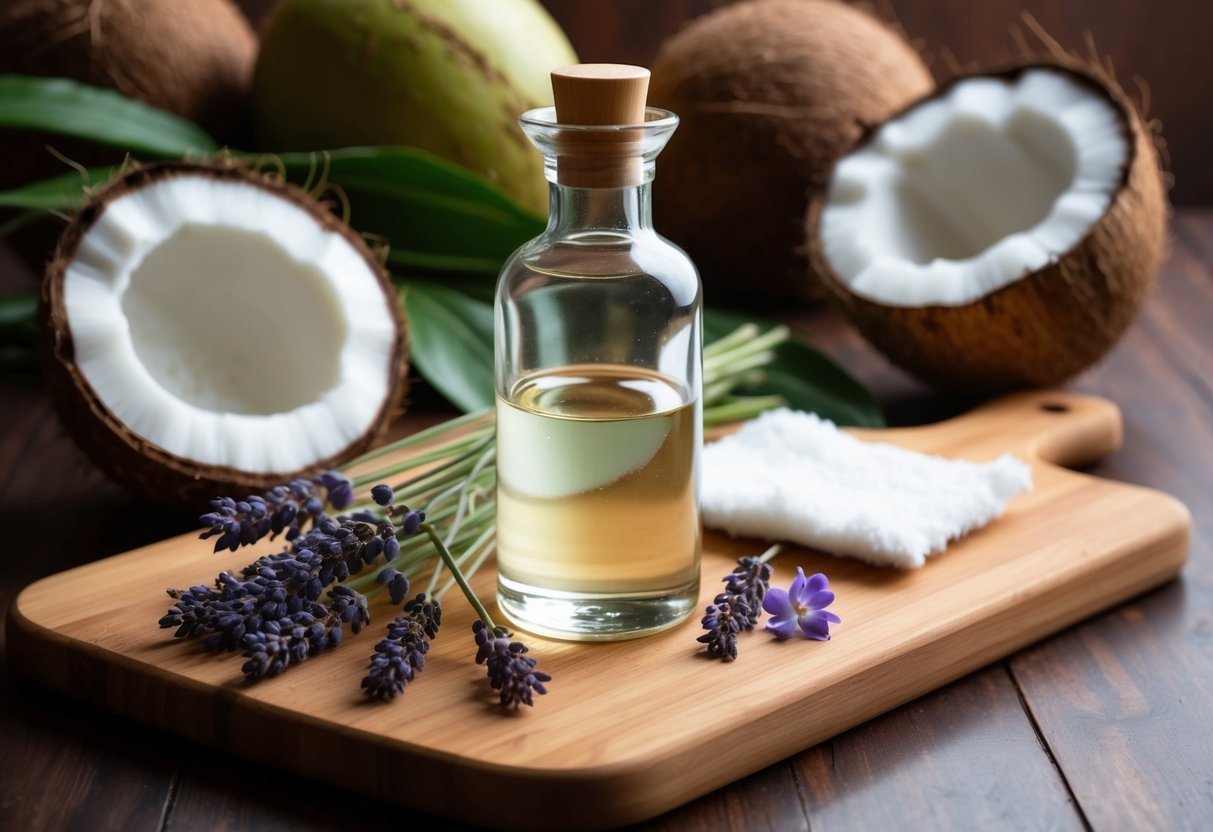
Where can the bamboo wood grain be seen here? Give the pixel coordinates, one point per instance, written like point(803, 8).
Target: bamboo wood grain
point(632, 729)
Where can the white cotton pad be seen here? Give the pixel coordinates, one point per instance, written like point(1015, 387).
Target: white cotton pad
point(795, 477)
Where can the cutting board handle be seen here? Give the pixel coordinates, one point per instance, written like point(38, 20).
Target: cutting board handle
point(1066, 429)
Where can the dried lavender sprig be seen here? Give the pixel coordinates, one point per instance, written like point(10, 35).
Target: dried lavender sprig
point(230, 610)
point(281, 509)
point(511, 672)
point(277, 647)
point(749, 581)
point(739, 607)
point(400, 655)
point(273, 590)
point(723, 621)
point(327, 554)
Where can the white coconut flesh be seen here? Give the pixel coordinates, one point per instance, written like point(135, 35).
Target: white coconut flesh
point(971, 191)
point(223, 323)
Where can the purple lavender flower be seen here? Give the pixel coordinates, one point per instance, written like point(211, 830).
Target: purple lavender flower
point(400, 655)
point(193, 611)
point(803, 604)
point(263, 607)
point(511, 672)
point(242, 522)
point(332, 551)
point(232, 609)
point(737, 608)
point(748, 582)
point(280, 644)
point(723, 620)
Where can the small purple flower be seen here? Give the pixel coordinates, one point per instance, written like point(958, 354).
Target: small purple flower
point(803, 604)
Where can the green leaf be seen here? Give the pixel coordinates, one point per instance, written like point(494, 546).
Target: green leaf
point(451, 342)
point(806, 378)
point(61, 193)
point(58, 105)
point(436, 215)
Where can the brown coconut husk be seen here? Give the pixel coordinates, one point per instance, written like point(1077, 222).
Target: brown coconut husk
point(190, 57)
point(144, 467)
point(1051, 324)
point(769, 92)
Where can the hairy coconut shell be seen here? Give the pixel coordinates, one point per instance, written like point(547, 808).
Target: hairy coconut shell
point(770, 92)
point(1048, 325)
point(191, 57)
point(145, 468)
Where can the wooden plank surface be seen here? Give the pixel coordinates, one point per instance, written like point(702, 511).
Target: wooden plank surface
point(57, 513)
point(618, 739)
point(932, 765)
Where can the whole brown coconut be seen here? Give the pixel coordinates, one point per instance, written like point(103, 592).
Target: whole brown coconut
point(191, 305)
point(191, 57)
point(1051, 323)
point(769, 93)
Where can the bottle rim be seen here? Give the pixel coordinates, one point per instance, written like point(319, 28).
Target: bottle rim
point(656, 119)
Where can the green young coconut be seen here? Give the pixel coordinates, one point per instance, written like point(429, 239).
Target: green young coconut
point(448, 76)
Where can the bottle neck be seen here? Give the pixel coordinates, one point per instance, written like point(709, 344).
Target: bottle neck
point(628, 209)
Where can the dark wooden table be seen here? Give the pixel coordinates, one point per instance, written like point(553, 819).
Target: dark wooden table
point(1108, 725)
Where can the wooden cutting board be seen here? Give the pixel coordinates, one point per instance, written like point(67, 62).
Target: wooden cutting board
point(631, 729)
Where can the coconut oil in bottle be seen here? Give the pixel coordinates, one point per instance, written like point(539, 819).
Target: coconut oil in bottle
point(598, 382)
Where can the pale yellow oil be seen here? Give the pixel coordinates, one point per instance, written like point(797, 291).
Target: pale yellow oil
point(597, 483)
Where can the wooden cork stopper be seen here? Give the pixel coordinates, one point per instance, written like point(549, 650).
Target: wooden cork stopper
point(600, 94)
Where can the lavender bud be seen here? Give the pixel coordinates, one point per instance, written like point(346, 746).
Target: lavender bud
point(412, 522)
point(382, 495)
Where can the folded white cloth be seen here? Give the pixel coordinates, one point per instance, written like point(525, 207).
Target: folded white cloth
point(792, 476)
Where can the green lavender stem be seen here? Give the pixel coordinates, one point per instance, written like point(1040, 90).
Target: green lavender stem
point(441, 429)
point(449, 560)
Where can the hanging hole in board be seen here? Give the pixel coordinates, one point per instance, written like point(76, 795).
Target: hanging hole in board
point(1055, 407)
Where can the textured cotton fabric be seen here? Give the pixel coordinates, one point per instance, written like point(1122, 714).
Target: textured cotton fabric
point(794, 477)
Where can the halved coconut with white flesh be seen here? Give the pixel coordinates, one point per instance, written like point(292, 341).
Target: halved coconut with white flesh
point(1001, 232)
point(208, 330)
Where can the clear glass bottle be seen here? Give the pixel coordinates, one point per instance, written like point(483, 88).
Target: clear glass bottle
point(598, 373)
